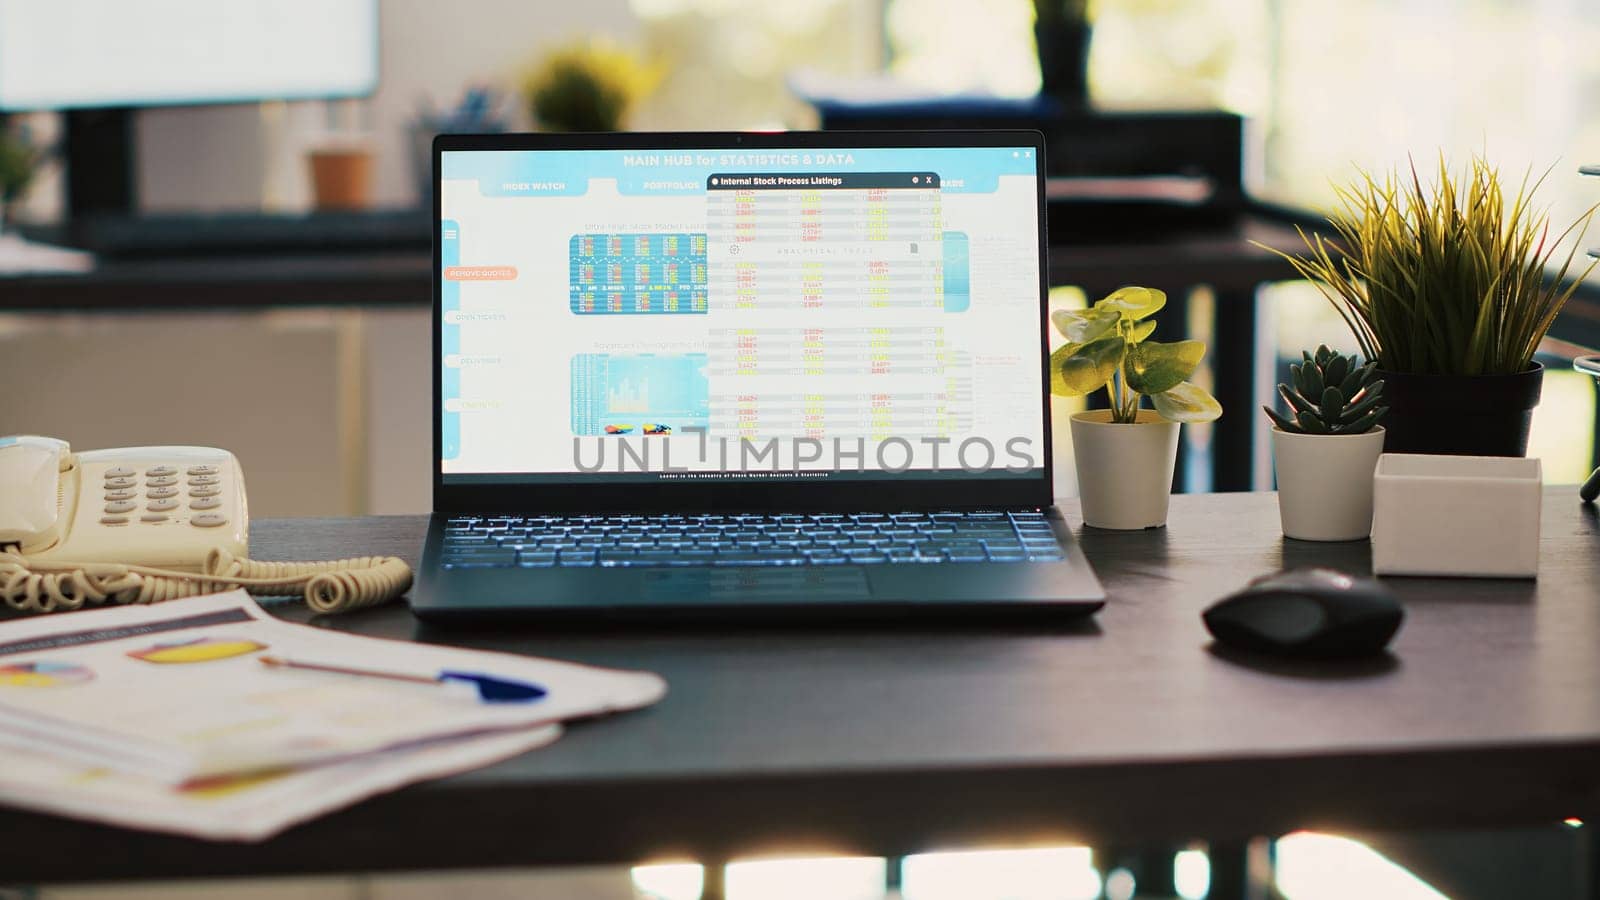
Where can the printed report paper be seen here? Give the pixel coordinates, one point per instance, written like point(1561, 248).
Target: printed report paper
point(250, 807)
point(176, 692)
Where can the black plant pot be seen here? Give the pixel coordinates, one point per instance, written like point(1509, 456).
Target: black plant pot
point(1470, 415)
point(1064, 61)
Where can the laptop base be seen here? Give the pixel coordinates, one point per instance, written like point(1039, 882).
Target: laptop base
point(1057, 590)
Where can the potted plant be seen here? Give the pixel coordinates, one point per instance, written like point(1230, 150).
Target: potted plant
point(590, 85)
point(1125, 454)
point(1447, 289)
point(1325, 450)
point(19, 162)
point(1061, 32)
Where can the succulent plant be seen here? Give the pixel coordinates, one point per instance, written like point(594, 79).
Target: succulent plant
point(1330, 394)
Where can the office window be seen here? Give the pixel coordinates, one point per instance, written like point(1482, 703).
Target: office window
point(995, 39)
point(1328, 86)
point(1514, 80)
point(728, 62)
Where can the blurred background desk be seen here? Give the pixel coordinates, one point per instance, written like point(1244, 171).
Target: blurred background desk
point(1152, 198)
point(395, 284)
point(336, 278)
point(378, 301)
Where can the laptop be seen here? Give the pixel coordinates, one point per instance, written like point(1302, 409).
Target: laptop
point(743, 377)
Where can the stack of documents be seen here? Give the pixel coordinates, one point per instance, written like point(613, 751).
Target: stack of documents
point(209, 717)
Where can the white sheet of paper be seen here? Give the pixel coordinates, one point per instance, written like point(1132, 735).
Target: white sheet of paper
point(176, 691)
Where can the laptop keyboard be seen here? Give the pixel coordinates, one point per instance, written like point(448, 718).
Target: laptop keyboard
point(747, 540)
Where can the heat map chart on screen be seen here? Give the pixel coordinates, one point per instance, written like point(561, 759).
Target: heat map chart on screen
point(620, 274)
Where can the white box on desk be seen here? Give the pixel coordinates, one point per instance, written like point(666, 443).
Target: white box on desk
point(1472, 516)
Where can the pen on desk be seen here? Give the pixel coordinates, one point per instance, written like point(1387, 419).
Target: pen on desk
point(491, 689)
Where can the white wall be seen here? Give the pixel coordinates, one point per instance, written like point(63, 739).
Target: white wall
point(265, 385)
point(244, 157)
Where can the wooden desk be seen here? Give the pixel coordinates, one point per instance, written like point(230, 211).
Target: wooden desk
point(892, 740)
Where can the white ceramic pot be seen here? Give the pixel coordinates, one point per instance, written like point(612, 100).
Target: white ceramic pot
point(1124, 471)
point(1325, 483)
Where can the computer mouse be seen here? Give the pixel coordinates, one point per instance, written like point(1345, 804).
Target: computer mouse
point(1307, 613)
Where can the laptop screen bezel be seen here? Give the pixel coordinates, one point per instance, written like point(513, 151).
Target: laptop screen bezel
point(901, 491)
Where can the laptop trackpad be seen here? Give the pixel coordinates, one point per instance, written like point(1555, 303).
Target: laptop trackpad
point(757, 585)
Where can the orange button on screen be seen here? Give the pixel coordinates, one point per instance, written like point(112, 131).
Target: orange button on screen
point(480, 273)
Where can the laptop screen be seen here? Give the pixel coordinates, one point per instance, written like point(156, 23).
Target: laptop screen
point(740, 314)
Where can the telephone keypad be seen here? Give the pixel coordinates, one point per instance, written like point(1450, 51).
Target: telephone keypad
point(170, 493)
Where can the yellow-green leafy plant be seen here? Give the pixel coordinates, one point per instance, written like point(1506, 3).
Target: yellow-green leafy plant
point(1442, 280)
point(588, 85)
point(19, 162)
point(1108, 347)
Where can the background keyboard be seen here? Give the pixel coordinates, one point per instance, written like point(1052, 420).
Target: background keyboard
point(747, 540)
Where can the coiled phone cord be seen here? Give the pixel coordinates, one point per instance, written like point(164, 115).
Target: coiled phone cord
point(41, 586)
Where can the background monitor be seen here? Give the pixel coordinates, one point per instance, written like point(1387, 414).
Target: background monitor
point(75, 54)
point(100, 59)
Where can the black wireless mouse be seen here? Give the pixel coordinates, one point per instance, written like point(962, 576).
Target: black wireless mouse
point(1307, 613)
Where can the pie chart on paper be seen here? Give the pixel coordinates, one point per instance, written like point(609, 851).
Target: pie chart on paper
point(43, 673)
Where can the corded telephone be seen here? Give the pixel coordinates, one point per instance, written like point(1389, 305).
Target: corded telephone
point(146, 524)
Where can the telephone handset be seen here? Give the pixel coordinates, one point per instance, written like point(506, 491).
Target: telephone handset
point(145, 524)
point(155, 506)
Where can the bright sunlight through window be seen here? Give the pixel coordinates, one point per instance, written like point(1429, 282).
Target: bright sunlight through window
point(1314, 866)
point(669, 881)
point(824, 878)
point(1050, 873)
point(1191, 874)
